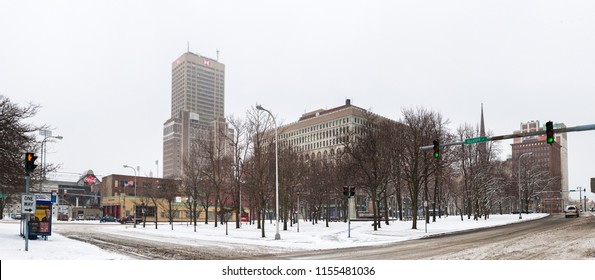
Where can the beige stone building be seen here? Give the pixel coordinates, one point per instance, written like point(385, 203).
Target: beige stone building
point(314, 135)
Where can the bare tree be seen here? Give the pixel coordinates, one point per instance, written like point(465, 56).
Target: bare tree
point(481, 183)
point(216, 153)
point(194, 185)
point(536, 179)
point(420, 128)
point(240, 143)
point(15, 138)
point(367, 146)
point(259, 165)
point(320, 188)
point(170, 190)
point(290, 175)
point(314, 200)
point(155, 193)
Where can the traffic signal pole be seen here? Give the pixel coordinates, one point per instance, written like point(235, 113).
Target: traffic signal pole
point(27, 216)
point(348, 217)
point(29, 168)
point(349, 192)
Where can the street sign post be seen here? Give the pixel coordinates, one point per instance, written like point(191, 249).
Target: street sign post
point(28, 204)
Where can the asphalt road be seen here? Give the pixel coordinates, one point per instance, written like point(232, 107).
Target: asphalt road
point(550, 238)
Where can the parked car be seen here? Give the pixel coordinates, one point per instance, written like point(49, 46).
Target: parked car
point(62, 217)
point(107, 219)
point(524, 212)
point(130, 219)
point(571, 211)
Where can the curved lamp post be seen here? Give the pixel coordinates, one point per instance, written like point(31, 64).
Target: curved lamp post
point(47, 134)
point(520, 197)
point(277, 235)
point(126, 166)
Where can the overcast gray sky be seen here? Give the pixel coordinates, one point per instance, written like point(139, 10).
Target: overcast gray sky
point(101, 70)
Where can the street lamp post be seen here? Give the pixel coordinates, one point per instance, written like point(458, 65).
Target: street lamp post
point(47, 134)
point(297, 215)
point(277, 235)
point(520, 197)
point(126, 166)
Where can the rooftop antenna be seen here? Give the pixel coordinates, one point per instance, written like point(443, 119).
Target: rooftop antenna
point(188, 46)
point(217, 54)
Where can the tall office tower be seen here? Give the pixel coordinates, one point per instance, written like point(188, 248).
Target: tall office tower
point(197, 86)
point(197, 106)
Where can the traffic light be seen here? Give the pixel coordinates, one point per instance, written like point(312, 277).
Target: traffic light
point(436, 149)
point(549, 132)
point(349, 191)
point(30, 162)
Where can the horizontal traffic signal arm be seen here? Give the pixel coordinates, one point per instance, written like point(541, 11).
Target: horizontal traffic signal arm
point(511, 136)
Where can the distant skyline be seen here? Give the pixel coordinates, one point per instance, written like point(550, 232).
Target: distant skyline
point(101, 70)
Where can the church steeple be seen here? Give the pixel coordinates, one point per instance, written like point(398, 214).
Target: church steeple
point(483, 147)
point(482, 128)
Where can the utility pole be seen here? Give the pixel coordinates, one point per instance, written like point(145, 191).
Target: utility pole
point(580, 199)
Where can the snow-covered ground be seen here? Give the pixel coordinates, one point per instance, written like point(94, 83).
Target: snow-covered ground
point(318, 236)
point(57, 247)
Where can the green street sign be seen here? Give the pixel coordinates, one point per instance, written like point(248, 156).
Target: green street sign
point(571, 190)
point(476, 140)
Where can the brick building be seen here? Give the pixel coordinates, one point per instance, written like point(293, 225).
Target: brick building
point(550, 197)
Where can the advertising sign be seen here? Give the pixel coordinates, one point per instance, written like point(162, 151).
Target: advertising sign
point(40, 221)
